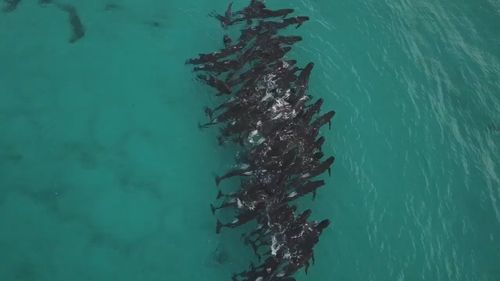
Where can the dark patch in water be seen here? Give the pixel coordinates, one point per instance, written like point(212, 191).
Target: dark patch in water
point(10, 154)
point(77, 28)
point(99, 239)
point(48, 197)
point(220, 255)
point(112, 7)
point(44, 2)
point(10, 5)
point(153, 23)
point(86, 153)
point(494, 129)
point(15, 157)
point(25, 271)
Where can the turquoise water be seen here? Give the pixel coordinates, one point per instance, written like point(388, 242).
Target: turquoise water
point(105, 176)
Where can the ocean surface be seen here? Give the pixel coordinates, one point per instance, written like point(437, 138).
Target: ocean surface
point(104, 174)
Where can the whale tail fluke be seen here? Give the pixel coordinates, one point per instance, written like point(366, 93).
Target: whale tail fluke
point(219, 194)
point(209, 112)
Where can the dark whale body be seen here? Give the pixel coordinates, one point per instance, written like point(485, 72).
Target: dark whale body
point(267, 113)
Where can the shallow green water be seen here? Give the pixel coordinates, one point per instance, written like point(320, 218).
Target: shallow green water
point(105, 176)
